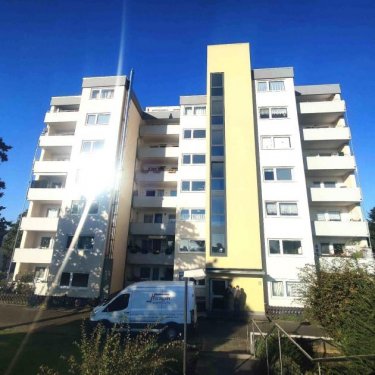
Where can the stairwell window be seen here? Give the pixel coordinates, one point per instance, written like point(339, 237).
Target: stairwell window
point(281, 209)
point(102, 93)
point(285, 247)
point(92, 146)
point(275, 143)
point(277, 289)
point(193, 246)
point(277, 174)
point(194, 214)
point(264, 86)
point(190, 186)
point(273, 112)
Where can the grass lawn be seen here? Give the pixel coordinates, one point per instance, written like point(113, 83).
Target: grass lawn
point(42, 347)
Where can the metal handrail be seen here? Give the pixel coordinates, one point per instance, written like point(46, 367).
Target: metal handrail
point(318, 360)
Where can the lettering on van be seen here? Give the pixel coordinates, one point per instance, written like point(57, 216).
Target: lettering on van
point(159, 298)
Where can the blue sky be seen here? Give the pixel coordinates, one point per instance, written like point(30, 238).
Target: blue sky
point(48, 46)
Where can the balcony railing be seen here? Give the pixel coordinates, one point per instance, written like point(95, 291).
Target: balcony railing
point(341, 229)
point(32, 255)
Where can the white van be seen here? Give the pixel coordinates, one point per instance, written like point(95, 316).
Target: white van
point(156, 303)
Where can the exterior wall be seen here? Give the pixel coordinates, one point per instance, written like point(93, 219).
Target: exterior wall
point(281, 267)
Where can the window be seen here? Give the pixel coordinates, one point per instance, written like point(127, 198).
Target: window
point(193, 159)
point(120, 303)
point(329, 184)
point(158, 218)
point(193, 186)
point(145, 273)
point(334, 216)
point(273, 112)
point(94, 208)
point(277, 288)
point(338, 248)
point(80, 280)
point(270, 86)
point(53, 212)
point(171, 218)
point(217, 99)
point(188, 245)
point(173, 193)
point(85, 243)
point(194, 133)
point(92, 146)
point(292, 289)
point(102, 93)
point(77, 208)
point(160, 193)
point(270, 143)
point(198, 110)
point(65, 279)
point(45, 242)
point(195, 214)
point(98, 119)
point(40, 273)
point(148, 218)
point(217, 176)
point(277, 174)
point(324, 249)
point(218, 244)
point(285, 247)
point(150, 193)
point(217, 142)
point(281, 209)
point(218, 210)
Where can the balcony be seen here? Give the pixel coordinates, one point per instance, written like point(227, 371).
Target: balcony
point(159, 131)
point(150, 258)
point(36, 256)
point(46, 194)
point(321, 112)
point(341, 228)
point(166, 176)
point(168, 152)
point(328, 138)
point(42, 224)
point(51, 166)
point(339, 196)
point(65, 117)
point(330, 165)
point(56, 140)
point(153, 229)
point(361, 256)
point(154, 202)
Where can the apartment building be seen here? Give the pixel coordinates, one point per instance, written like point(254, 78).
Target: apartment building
point(250, 182)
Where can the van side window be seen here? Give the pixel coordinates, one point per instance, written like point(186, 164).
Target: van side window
point(120, 303)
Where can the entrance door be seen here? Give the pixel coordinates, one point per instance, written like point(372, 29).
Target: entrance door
point(217, 294)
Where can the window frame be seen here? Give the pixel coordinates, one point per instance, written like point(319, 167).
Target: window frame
point(96, 118)
point(100, 90)
point(190, 216)
point(268, 85)
point(191, 186)
point(271, 115)
point(189, 248)
point(278, 211)
point(274, 172)
point(272, 138)
point(190, 157)
point(281, 246)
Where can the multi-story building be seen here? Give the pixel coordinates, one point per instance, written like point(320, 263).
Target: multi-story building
point(251, 182)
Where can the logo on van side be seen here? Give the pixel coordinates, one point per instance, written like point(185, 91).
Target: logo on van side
point(159, 298)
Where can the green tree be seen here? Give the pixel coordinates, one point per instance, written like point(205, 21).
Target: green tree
point(371, 225)
point(342, 299)
point(4, 148)
point(11, 239)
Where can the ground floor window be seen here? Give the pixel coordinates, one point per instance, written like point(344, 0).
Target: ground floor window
point(74, 279)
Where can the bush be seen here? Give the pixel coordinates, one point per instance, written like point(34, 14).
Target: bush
point(111, 353)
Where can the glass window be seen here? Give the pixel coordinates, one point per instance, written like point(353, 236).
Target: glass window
point(269, 175)
point(198, 185)
point(217, 79)
point(103, 118)
point(158, 219)
point(91, 120)
point(218, 243)
point(264, 112)
point(185, 185)
point(274, 246)
point(120, 303)
point(107, 94)
point(217, 107)
point(80, 280)
point(217, 184)
point(186, 159)
point(217, 169)
point(199, 133)
point(150, 193)
point(97, 145)
point(271, 208)
point(217, 137)
point(199, 159)
point(292, 247)
point(217, 120)
point(200, 110)
point(95, 94)
point(267, 143)
point(160, 192)
point(284, 174)
point(188, 111)
point(184, 245)
point(282, 142)
point(329, 184)
point(277, 86)
point(45, 242)
point(217, 151)
point(262, 86)
point(147, 218)
point(53, 212)
point(277, 289)
point(77, 207)
point(85, 243)
point(217, 205)
point(69, 240)
point(324, 249)
point(292, 289)
point(197, 214)
point(184, 214)
point(279, 113)
point(338, 248)
point(197, 246)
point(334, 216)
point(65, 279)
point(288, 209)
point(187, 134)
point(94, 208)
point(145, 273)
point(173, 193)
point(171, 218)
point(321, 216)
point(86, 146)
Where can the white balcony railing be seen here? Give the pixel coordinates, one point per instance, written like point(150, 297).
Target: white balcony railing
point(61, 117)
point(33, 255)
point(56, 140)
point(158, 152)
point(44, 224)
point(153, 229)
point(148, 176)
point(345, 163)
point(349, 195)
point(334, 106)
point(159, 130)
point(38, 194)
point(326, 134)
point(165, 202)
point(341, 228)
point(51, 166)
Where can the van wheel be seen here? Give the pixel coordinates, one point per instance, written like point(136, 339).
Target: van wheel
point(171, 332)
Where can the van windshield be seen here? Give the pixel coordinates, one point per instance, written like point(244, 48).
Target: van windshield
point(120, 303)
